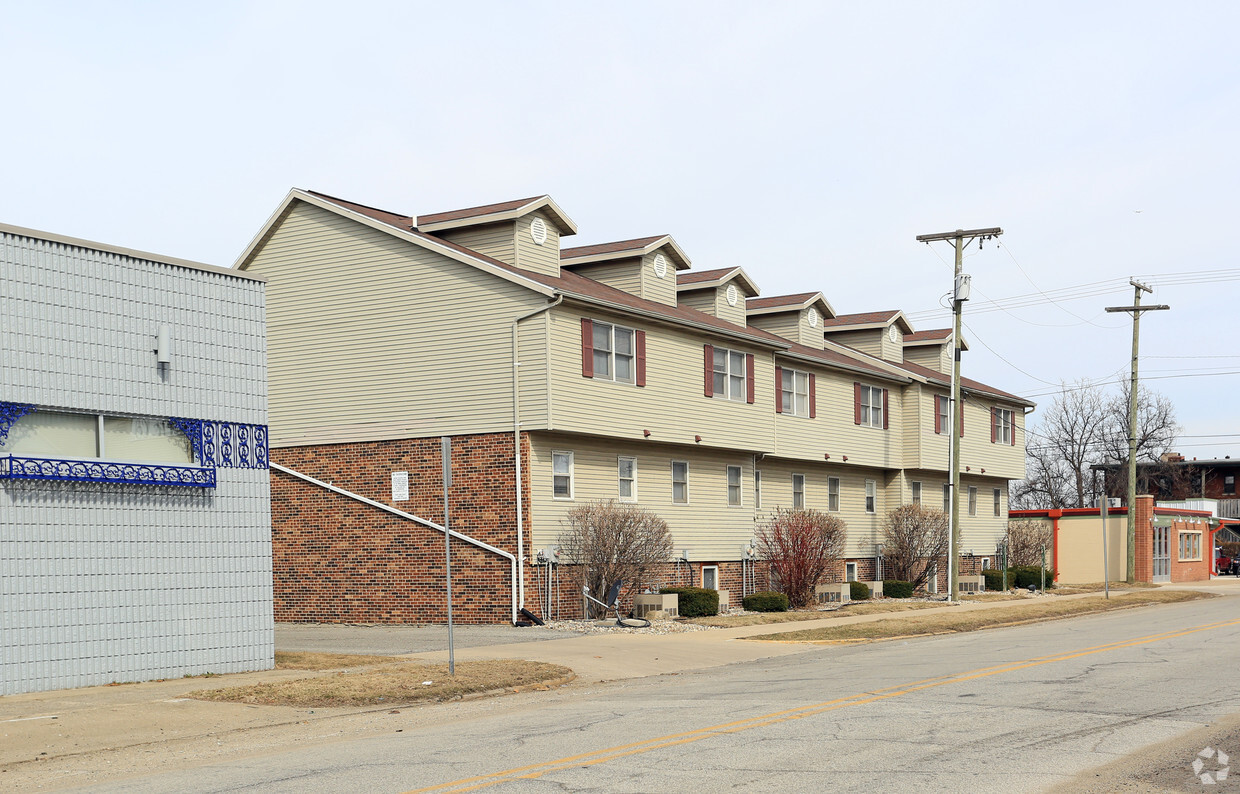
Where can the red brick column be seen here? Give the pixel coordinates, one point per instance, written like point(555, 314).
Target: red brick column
point(1145, 538)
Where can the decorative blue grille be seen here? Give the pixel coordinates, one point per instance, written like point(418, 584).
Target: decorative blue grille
point(227, 445)
point(23, 468)
point(10, 413)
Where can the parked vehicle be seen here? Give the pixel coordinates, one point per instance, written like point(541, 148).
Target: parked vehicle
point(1224, 565)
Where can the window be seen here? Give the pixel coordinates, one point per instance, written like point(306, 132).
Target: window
point(1002, 430)
point(850, 572)
point(1190, 545)
point(932, 580)
point(972, 500)
point(734, 486)
point(871, 496)
point(612, 352)
point(916, 492)
point(680, 482)
point(94, 437)
point(729, 374)
point(710, 577)
point(833, 494)
point(626, 472)
point(947, 498)
point(757, 488)
point(798, 491)
point(562, 475)
point(941, 418)
point(1229, 484)
point(869, 406)
point(998, 503)
point(795, 392)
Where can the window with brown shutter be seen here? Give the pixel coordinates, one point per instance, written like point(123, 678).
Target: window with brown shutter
point(779, 390)
point(709, 371)
point(994, 424)
point(938, 414)
point(641, 357)
point(856, 403)
point(587, 347)
point(749, 390)
point(813, 397)
point(886, 412)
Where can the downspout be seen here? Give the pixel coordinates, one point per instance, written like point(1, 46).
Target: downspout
point(519, 585)
point(431, 524)
point(1055, 515)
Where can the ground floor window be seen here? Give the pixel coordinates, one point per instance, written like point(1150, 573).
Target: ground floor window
point(916, 493)
point(998, 503)
point(1190, 546)
point(833, 494)
point(680, 482)
point(626, 472)
point(947, 498)
point(798, 491)
point(562, 475)
point(871, 496)
point(850, 572)
point(972, 500)
point(734, 486)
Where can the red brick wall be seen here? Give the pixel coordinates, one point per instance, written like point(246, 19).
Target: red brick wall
point(337, 560)
point(1144, 539)
point(1190, 571)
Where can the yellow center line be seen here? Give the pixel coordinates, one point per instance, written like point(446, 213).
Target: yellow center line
point(620, 751)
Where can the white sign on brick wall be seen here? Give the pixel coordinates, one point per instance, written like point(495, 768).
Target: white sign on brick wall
point(400, 486)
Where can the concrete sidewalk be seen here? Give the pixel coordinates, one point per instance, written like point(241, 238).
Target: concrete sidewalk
point(48, 725)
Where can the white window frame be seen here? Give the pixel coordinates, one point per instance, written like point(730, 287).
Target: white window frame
point(915, 489)
point(1005, 426)
point(871, 496)
point(932, 580)
point(972, 500)
point(714, 568)
point(740, 481)
point(794, 392)
point(757, 488)
point(607, 334)
point(947, 498)
point(850, 572)
point(1190, 551)
point(833, 494)
point(100, 433)
point(621, 460)
point(569, 476)
point(684, 482)
point(944, 407)
point(998, 503)
point(798, 491)
point(871, 414)
point(732, 381)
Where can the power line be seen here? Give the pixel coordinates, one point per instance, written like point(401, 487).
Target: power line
point(1156, 377)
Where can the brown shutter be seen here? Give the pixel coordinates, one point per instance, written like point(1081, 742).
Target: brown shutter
point(813, 397)
point(886, 413)
point(779, 390)
point(709, 352)
point(749, 378)
point(994, 425)
point(587, 348)
point(641, 357)
point(856, 403)
point(1013, 428)
point(938, 416)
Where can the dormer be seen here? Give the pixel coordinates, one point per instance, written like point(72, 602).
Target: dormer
point(881, 334)
point(721, 293)
point(524, 233)
point(645, 267)
point(931, 349)
point(798, 318)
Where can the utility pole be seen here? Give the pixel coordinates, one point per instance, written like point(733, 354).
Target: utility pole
point(1135, 310)
point(960, 293)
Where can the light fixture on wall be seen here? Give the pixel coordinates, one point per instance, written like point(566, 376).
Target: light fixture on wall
point(698, 439)
point(983, 471)
point(163, 345)
point(826, 456)
point(845, 458)
point(646, 433)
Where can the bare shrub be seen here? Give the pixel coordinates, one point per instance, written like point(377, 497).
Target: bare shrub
point(609, 542)
point(1026, 539)
point(915, 537)
point(800, 545)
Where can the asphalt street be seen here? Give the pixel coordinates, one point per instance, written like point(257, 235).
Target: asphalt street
point(1018, 709)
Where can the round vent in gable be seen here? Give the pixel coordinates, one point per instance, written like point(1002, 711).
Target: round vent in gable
point(813, 317)
point(891, 333)
point(660, 265)
point(538, 230)
point(732, 294)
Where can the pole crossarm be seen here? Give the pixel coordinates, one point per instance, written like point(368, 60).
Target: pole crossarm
point(1154, 307)
point(994, 231)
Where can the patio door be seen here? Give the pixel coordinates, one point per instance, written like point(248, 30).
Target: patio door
point(1162, 555)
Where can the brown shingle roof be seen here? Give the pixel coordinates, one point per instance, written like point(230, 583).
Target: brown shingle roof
point(473, 212)
point(609, 248)
point(700, 276)
point(780, 300)
point(391, 218)
point(939, 334)
point(864, 318)
point(940, 379)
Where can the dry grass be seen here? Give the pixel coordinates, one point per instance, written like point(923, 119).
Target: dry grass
point(992, 595)
point(289, 660)
point(973, 620)
point(1098, 587)
point(848, 610)
point(391, 684)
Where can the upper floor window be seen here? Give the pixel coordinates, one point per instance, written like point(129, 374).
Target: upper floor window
point(998, 503)
point(972, 500)
point(729, 374)
point(562, 475)
point(680, 482)
point(947, 498)
point(941, 417)
point(795, 392)
point(1002, 429)
point(1229, 484)
point(871, 496)
point(757, 488)
point(626, 472)
point(49, 434)
point(798, 491)
point(734, 486)
point(869, 406)
point(833, 494)
point(612, 352)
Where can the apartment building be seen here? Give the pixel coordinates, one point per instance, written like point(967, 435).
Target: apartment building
point(568, 374)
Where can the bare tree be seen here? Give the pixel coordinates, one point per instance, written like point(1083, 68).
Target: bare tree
point(610, 542)
point(1157, 431)
point(915, 538)
point(1026, 540)
point(801, 546)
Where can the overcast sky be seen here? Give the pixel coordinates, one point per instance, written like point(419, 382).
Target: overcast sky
point(806, 142)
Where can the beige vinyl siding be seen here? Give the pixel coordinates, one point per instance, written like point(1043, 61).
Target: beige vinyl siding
point(932, 448)
point(976, 450)
point(702, 299)
point(793, 326)
point(706, 526)
point(867, 341)
point(672, 405)
point(530, 255)
point(864, 529)
point(724, 311)
point(370, 337)
point(982, 532)
point(659, 290)
point(930, 357)
point(624, 274)
point(893, 351)
point(833, 431)
point(496, 240)
point(912, 422)
point(533, 337)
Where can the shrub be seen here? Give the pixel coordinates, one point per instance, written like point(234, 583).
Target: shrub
point(994, 579)
point(914, 538)
point(860, 591)
point(765, 602)
point(1025, 542)
point(695, 602)
point(1025, 575)
point(801, 546)
point(609, 542)
point(897, 588)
